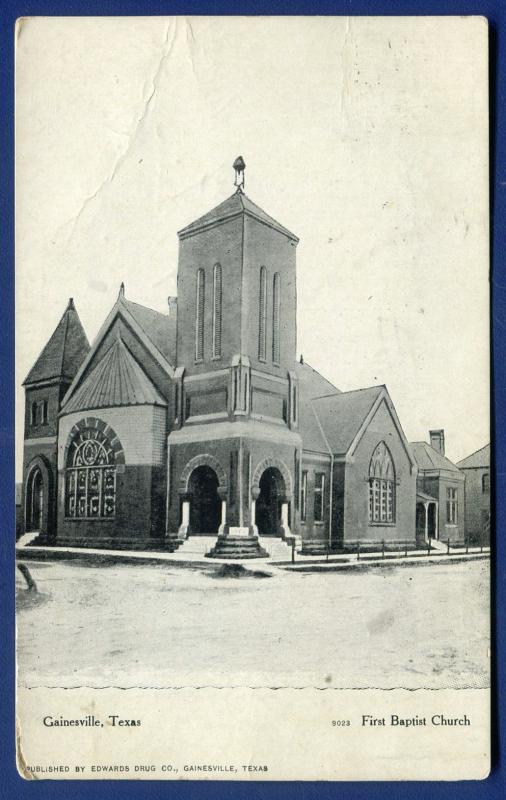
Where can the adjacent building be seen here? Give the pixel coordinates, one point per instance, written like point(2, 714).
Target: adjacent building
point(440, 492)
point(476, 469)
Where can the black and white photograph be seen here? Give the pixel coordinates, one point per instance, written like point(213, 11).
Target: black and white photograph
point(253, 469)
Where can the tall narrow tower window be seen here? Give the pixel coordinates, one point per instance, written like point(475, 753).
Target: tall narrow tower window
point(200, 305)
point(276, 305)
point(262, 349)
point(217, 312)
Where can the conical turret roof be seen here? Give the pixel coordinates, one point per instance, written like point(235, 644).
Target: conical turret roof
point(65, 351)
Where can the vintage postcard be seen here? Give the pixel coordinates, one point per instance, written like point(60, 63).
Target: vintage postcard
point(253, 440)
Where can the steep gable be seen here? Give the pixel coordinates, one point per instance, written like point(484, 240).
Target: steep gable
point(149, 335)
point(65, 351)
point(117, 380)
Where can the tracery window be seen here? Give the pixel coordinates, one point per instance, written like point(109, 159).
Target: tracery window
point(217, 312)
point(90, 476)
point(262, 302)
point(200, 307)
point(381, 485)
point(276, 313)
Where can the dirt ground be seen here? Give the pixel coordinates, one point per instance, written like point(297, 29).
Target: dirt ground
point(161, 626)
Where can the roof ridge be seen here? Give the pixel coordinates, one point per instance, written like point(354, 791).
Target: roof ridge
point(474, 453)
point(66, 315)
point(351, 391)
point(147, 308)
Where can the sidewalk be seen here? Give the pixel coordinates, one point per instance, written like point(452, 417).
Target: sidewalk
point(195, 558)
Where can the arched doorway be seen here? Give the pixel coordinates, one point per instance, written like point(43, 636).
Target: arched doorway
point(205, 503)
point(34, 500)
point(268, 505)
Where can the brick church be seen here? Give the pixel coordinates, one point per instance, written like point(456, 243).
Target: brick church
point(201, 420)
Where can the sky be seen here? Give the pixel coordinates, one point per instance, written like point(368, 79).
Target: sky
point(367, 137)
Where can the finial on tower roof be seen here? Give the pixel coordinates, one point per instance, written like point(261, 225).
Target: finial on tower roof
point(71, 306)
point(301, 358)
point(121, 290)
point(239, 166)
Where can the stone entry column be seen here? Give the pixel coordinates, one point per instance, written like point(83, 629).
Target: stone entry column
point(284, 526)
point(185, 521)
point(223, 523)
point(426, 509)
point(253, 530)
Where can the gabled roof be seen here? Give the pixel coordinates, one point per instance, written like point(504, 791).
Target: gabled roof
point(311, 385)
point(161, 328)
point(481, 458)
point(341, 416)
point(233, 206)
point(427, 458)
point(65, 351)
point(117, 380)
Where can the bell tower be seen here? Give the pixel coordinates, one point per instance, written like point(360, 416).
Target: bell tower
point(236, 288)
point(236, 388)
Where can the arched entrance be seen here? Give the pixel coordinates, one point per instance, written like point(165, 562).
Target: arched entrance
point(34, 500)
point(269, 502)
point(205, 503)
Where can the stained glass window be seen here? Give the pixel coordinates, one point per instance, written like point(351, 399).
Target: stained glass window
point(381, 486)
point(90, 477)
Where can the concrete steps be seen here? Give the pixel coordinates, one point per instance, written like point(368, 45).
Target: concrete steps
point(278, 549)
point(237, 548)
point(27, 538)
point(197, 545)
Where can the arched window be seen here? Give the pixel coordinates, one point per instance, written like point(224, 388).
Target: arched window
point(200, 307)
point(90, 476)
point(381, 485)
point(485, 483)
point(217, 311)
point(276, 305)
point(262, 303)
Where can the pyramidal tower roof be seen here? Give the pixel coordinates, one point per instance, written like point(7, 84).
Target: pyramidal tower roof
point(117, 380)
point(64, 352)
point(234, 206)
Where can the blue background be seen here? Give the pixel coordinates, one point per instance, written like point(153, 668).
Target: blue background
point(11, 785)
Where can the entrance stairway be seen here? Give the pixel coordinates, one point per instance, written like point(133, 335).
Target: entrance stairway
point(197, 545)
point(438, 545)
point(278, 549)
point(27, 538)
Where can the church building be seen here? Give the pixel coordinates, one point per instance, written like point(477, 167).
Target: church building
point(202, 421)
